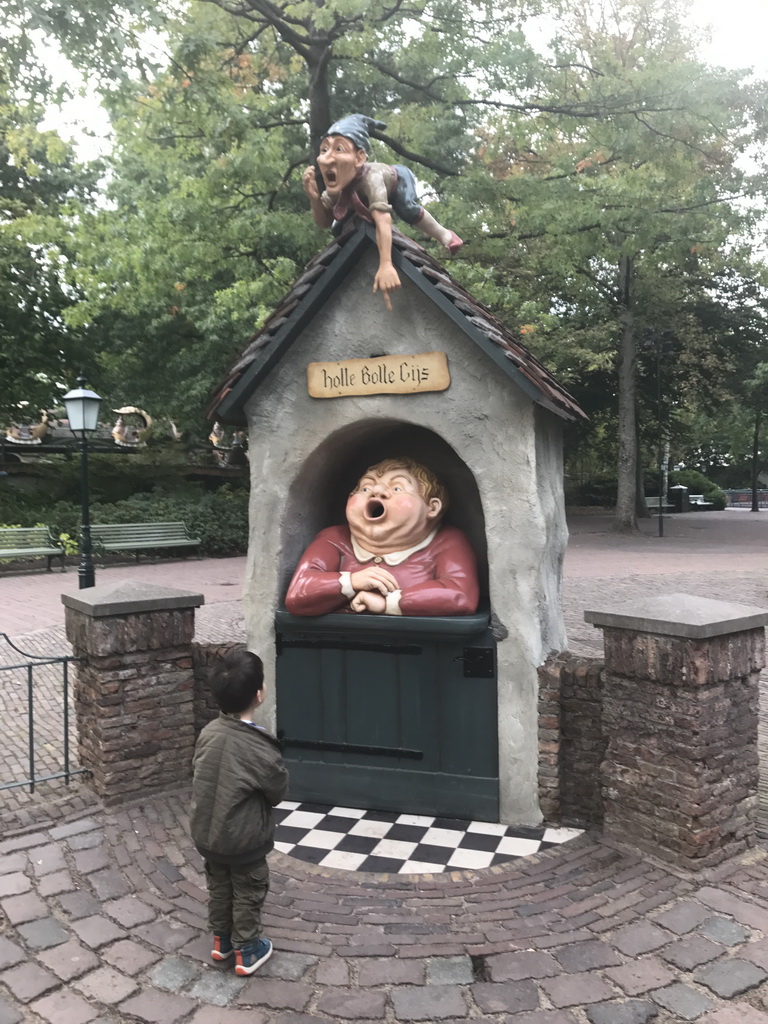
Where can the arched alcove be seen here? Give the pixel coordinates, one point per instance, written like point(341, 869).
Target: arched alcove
point(317, 496)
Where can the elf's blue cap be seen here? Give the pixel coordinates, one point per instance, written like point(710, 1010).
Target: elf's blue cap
point(356, 128)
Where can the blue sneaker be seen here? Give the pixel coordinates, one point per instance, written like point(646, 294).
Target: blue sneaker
point(222, 947)
point(252, 956)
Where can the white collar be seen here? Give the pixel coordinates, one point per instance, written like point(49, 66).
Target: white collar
point(392, 557)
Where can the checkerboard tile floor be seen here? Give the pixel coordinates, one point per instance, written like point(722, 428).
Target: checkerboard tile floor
point(355, 840)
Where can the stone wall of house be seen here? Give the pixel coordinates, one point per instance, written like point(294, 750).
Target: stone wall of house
point(500, 458)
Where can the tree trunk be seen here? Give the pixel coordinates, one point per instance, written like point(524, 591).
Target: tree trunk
point(319, 96)
point(756, 462)
point(626, 516)
point(641, 506)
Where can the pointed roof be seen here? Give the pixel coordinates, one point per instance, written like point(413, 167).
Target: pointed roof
point(323, 275)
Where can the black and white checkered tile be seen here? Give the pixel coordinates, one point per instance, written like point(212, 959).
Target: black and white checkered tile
point(355, 840)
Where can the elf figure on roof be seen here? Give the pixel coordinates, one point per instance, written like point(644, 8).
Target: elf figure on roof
point(370, 190)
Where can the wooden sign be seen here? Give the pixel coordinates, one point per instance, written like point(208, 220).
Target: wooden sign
point(379, 375)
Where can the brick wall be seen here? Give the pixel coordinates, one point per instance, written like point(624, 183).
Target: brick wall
point(681, 769)
point(133, 700)
point(571, 739)
point(203, 655)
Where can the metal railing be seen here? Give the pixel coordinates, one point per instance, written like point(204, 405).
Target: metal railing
point(57, 694)
point(742, 497)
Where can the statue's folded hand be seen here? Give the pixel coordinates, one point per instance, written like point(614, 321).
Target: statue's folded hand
point(368, 601)
point(373, 577)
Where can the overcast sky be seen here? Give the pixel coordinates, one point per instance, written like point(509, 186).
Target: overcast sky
point(739, 32)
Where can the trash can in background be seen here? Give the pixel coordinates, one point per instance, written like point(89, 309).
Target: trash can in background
point(678, 498)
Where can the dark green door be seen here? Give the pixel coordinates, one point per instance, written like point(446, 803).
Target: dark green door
point(390, 714)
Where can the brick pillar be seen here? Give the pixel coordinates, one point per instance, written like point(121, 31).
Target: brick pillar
point(680, 714)
point(134, 688)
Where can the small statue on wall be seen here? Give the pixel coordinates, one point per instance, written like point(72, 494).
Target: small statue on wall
point(393, 557)
point(370, 190)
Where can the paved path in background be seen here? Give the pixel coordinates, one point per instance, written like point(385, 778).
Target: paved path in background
point(103, 912)
point(725, 551)
point(721, 555)
point(31, 600)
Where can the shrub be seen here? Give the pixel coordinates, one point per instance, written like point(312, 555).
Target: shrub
point(697, 483)
point(219, 518)
point(599, 491)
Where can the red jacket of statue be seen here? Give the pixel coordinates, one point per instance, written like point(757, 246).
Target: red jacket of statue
point(439, 578)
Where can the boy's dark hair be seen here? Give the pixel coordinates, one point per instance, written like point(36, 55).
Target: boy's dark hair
point(236, 680)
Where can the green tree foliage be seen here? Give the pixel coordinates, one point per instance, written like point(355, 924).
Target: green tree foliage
point(616, 217)
point(40, 187)
point(730, 430)
point(107, 39)
point(615, 148)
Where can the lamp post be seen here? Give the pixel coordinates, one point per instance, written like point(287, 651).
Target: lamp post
point(82, 408)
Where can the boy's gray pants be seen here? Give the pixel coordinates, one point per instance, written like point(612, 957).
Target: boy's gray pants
point(236, 894)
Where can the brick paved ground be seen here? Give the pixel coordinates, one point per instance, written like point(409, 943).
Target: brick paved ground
point(104, 921)
point(103, 914)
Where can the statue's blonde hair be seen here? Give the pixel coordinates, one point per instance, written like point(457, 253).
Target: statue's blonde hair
point(429, 483)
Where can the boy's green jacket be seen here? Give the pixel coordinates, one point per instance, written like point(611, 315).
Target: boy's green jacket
point(238, 778)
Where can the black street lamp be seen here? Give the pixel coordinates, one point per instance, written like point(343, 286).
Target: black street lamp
point(655, 341)
point(83, 413)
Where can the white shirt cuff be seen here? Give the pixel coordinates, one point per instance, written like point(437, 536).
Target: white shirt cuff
point(393, 603)
point(346, 585)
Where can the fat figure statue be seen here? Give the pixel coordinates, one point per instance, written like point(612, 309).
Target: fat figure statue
point(394, 556)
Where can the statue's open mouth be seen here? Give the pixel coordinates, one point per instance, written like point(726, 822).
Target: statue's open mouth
point(374, 509)
point(330, 177)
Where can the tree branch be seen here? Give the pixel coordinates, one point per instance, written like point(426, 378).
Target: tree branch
point(584, 67)
point(277, 19)
point(288, 172)
point(665, 135)
point(200, 134)
point(708, 202)
point(578, 110)
point(575, 171)
point(531, 236)
point(425, 87)
point(425, 161)
point(280, 124)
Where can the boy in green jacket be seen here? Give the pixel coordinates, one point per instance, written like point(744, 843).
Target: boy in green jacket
point(238, 778)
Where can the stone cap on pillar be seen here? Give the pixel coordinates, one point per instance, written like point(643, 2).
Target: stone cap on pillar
point(681, 615)
point(126, 597)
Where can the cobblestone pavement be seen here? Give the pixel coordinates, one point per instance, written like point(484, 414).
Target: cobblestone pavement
point(103, 911)
point(104, 921)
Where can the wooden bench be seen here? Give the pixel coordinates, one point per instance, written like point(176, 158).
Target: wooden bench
point(653, 505)
point(140, 537)
point(30, 542)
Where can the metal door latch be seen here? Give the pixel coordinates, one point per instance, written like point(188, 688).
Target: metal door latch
point(479, 662)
